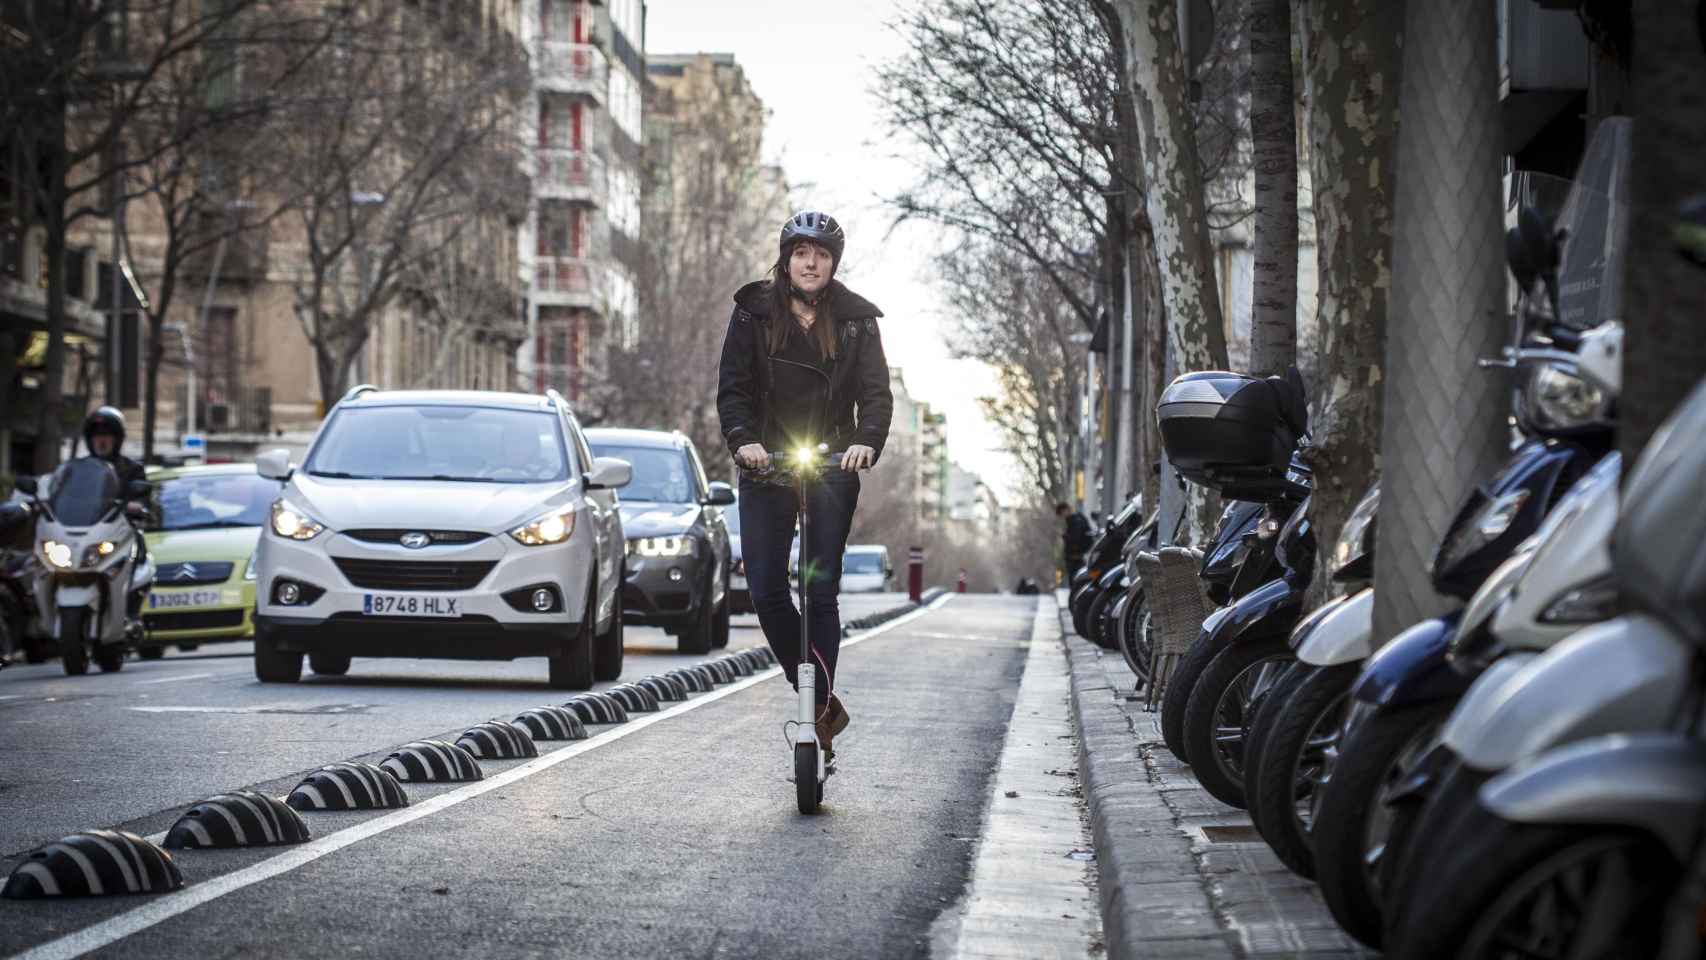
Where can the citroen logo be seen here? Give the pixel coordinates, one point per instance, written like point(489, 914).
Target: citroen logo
point(415, 540)
point(187, 572)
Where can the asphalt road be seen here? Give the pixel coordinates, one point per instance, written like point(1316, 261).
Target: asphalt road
point(672, 835)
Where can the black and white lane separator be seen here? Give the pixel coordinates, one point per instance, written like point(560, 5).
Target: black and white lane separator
point(154, 912)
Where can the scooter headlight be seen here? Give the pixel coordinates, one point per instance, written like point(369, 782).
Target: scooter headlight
point(1489, 524)
point(293, 524)
point(57, 554)
point(1589, 603)
point(1561, 399)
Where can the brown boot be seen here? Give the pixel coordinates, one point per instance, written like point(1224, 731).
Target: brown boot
point(831, 721)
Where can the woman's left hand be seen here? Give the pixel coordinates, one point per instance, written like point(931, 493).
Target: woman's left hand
point(858, 457)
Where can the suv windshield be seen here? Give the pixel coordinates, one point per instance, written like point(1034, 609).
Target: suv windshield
point(441, 442)
point(216, 500)
point(661, 474)
point(862, 563)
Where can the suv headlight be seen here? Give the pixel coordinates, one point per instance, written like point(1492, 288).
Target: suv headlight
point(553, 527)
point(681, 545)
point(293, 524)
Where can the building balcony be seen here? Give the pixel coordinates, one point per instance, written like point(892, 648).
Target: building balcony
point(565, 174)
point(568, 282)
point(574, 68)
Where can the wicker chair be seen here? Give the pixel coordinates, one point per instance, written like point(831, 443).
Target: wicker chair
point(1178, 605)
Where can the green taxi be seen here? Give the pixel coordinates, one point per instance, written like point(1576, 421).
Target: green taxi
point(202, 537)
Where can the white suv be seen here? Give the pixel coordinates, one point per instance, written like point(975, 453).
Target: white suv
point(444, 523)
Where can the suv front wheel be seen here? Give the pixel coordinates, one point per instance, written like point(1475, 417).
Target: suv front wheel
point(273, 665)
point(572, 669)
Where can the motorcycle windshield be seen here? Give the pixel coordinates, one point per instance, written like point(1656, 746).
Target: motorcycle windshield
point(83, 491)
point(1595, 218)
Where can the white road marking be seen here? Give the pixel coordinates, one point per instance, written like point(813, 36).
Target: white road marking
point(187, 676)
point(260, 709)
point(114, 929)
point(1027, 898)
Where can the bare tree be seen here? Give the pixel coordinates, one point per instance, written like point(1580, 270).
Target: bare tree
point(1352, 74)
point(395, 143)
point(75, 75)
point(1273, 133)
point(711, 220)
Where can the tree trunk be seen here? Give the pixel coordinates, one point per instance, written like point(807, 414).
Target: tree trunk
point(1443, 426)
point(1664, 353)
point(49, 432)
point(1174, 203)
point(1273, 136)
point(1353, 67)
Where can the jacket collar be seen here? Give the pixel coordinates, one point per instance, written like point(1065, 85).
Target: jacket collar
point(848, 305)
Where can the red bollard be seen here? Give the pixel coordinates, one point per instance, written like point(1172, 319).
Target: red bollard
point(961, 587)
point(915, 575)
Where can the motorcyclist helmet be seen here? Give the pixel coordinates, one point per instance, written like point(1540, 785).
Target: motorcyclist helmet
point(108, 420)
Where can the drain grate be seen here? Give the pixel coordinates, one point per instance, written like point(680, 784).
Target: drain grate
point(1239, 833)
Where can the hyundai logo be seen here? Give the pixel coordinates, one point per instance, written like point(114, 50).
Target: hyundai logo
point(414, 541)
point(187, 572)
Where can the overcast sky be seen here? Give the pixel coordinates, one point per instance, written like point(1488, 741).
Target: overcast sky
point(812, 64)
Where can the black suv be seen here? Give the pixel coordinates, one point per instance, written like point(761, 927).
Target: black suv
point(677, 561)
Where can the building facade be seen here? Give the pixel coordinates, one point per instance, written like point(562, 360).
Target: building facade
point(580, 246)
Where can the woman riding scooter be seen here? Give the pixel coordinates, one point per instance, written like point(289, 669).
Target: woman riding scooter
point(803, 367)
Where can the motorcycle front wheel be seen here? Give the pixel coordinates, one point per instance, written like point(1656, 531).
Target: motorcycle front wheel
point(73, 646)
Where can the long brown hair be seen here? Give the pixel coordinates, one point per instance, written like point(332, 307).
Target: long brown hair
point(782, 322)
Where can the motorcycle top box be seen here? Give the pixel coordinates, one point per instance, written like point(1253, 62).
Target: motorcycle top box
point(1233, 432)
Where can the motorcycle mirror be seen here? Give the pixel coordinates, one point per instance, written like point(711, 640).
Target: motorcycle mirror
point(26, 484)
point(139, 489)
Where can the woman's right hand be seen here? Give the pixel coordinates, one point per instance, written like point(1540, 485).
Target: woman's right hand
point(753, 456)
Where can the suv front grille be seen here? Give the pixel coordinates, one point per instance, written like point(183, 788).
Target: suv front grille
point(389, 536)
point(414, 574)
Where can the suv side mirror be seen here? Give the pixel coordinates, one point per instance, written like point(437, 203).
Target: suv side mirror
point(274, 464)
point(608, 473)
point(721, 494)
point(26, 484)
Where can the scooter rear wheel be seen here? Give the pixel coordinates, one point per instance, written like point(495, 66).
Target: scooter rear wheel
point(807, 790)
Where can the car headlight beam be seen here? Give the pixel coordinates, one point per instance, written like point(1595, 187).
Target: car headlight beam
point(293, 524)
point(679, 545)
point(549, 528)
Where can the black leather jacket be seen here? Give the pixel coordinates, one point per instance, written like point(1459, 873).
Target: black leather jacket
point(860, 404)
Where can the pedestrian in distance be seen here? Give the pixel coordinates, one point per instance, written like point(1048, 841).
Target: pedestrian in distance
point(1075, 537)
point(802, 367)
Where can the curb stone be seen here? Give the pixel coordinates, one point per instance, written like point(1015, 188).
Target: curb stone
point(1168, 891)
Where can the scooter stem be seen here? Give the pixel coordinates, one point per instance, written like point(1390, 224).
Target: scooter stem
point(806, 672)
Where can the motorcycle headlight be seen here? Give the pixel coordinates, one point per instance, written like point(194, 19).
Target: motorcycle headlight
point(1589, 603)
point(1487, 600)
point(683, 545)
point(1488, 524)
point(249, 571)
point(56, 554)
point(1559, 398)
point(1355, 538)
point(293, 524)
point(96, 552)
point(553, 527)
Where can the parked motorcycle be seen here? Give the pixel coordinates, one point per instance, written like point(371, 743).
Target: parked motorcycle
point(1104, 552)
point(1239, 435)
point(89, 553)
point(1294, 735)
point(1409, 687)
point(1597, 847)
point(17, 577)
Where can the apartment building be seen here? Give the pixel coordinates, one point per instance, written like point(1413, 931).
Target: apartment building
point(580, 246)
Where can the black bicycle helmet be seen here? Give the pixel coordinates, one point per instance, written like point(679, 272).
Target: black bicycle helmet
point(817, 227)
point(104, 420)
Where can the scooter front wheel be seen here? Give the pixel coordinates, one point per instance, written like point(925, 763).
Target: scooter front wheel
point(73, 648)
point(806, 788)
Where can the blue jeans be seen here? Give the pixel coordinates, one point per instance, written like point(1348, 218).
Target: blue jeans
point(767, 515)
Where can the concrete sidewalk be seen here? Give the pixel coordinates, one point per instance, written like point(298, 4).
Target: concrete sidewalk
point(1181, 875)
